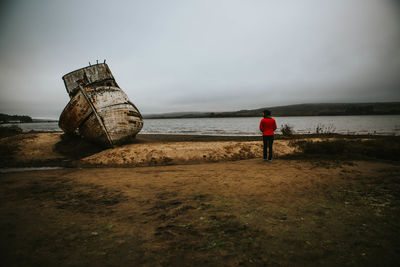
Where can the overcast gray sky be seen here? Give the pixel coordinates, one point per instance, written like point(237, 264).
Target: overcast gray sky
point(205, 55)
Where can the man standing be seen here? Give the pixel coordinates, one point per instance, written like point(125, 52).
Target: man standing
point(267, 127)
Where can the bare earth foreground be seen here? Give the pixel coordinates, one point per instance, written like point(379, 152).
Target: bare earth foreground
point(223, 206)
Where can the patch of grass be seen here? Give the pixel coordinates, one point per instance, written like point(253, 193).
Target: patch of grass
point(78, 197)
point(386, 148)
point(6, 153)
point(8, 149)
point(9, 131)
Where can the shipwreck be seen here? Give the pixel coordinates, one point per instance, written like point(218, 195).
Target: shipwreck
point(98, 109)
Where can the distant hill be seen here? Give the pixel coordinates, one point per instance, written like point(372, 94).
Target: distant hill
point(322, 109)
point(5, 118)
point(44, 120)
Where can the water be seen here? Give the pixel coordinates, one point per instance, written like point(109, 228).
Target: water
point(381, 125)
point(377, 124)
point(37, 126)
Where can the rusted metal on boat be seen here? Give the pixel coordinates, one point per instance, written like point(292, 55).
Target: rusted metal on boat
point(99, 110)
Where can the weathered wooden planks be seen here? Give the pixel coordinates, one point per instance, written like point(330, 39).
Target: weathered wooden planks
point(99, 110)
point(77, 110)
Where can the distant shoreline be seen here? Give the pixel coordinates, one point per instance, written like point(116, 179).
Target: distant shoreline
point(34, 121)
point(257, 116)
point(331, 109)
point(153, 117)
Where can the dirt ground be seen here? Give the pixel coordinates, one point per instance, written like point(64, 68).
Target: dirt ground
point(198, 200)
point(246, 212)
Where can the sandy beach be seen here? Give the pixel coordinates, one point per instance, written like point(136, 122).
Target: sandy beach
point(193, 200)
point(54, 149)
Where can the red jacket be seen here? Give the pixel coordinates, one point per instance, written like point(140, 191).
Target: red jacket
point(268, 126)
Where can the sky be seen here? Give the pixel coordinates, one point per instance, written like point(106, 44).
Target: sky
point(204, 55)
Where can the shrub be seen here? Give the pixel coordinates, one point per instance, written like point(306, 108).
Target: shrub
point(322, 148)
point(287, 130)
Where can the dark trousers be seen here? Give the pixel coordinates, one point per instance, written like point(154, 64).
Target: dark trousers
point(268, 140)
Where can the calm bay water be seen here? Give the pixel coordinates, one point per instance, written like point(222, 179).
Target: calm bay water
point(382, 125)
point(37, 126)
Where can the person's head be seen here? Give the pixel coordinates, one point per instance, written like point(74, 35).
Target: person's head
point(266, 113)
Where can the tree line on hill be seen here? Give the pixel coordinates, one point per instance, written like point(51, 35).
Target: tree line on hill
point(5, 118)
point(332, 109)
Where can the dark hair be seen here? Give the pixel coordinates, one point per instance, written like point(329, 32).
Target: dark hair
point(267, 112)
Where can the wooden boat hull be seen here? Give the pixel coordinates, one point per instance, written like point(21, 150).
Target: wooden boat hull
point(104, 115)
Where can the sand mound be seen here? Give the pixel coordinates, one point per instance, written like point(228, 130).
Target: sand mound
point(182, 152)
point(43, 149)
point(30, 149)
